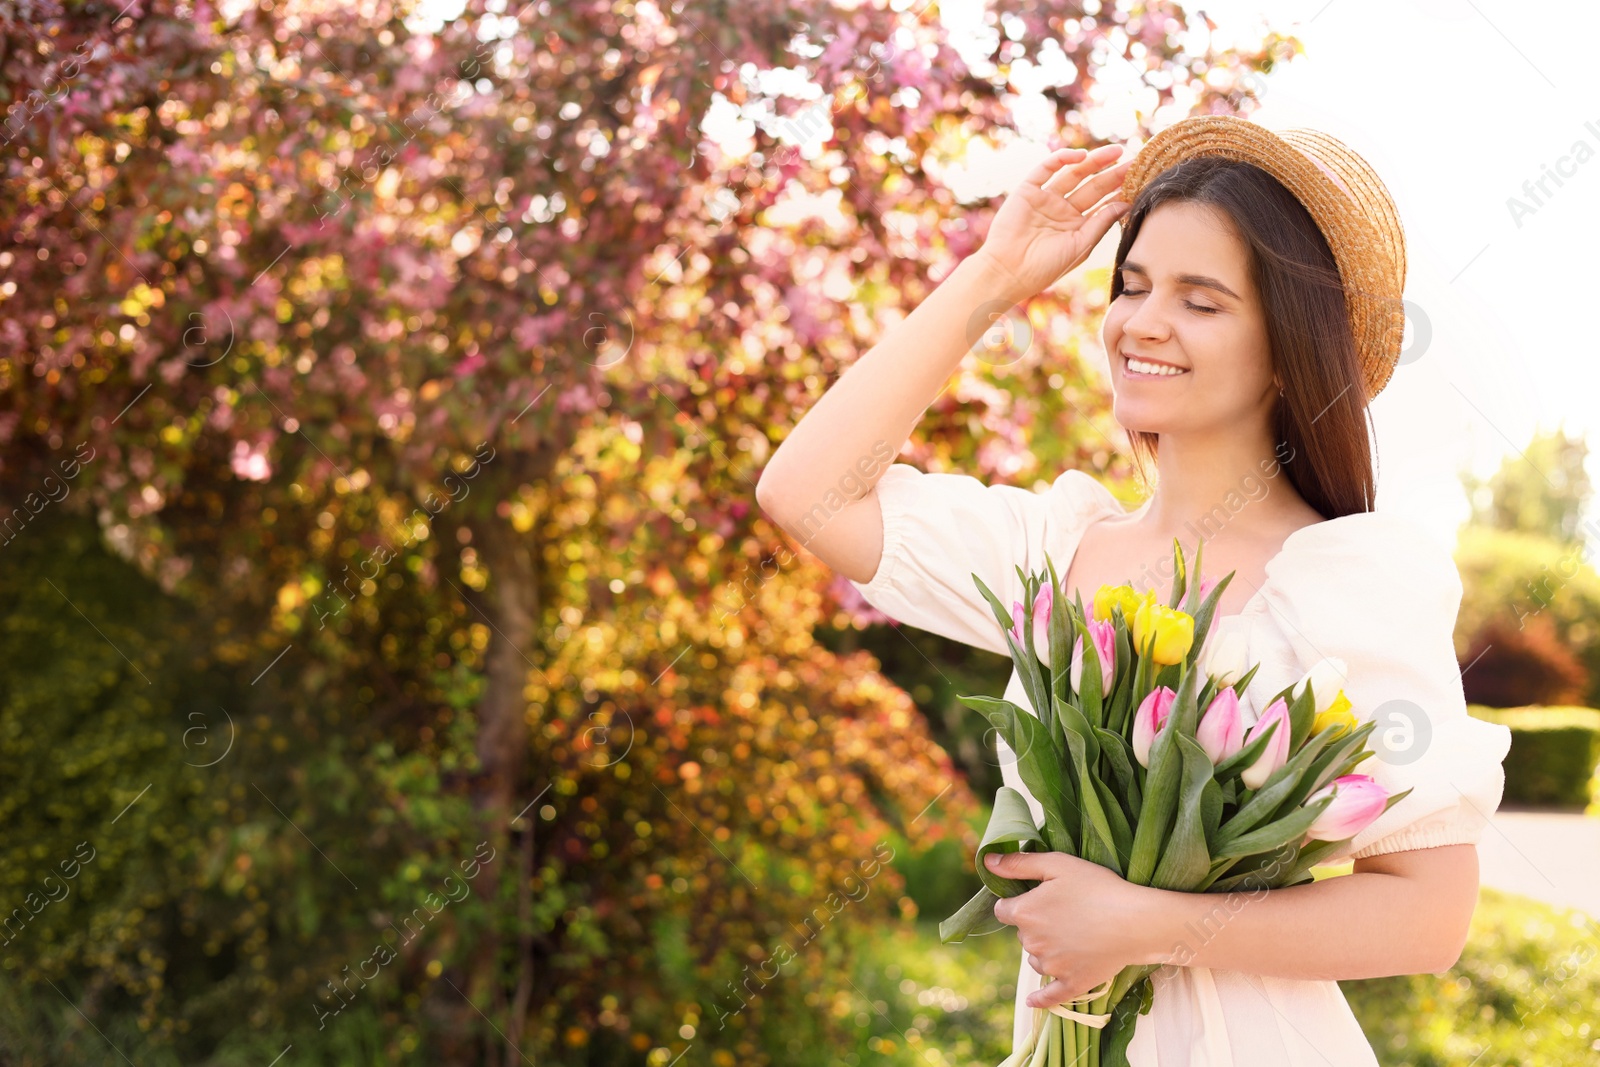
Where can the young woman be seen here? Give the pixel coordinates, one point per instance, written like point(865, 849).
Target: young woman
point(1255, 312)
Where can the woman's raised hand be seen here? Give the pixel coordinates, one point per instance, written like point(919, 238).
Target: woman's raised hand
point(1055, 217)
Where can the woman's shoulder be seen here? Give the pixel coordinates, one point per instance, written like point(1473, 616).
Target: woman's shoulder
point(1371, 561)
point(1082, 497)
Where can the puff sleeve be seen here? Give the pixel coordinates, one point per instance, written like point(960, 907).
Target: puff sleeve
point(1376, 591)
point(941, 529)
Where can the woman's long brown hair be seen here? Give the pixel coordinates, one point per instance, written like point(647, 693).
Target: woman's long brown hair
point(1319, 422)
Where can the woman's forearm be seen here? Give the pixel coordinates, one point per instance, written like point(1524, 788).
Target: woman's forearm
point(871, 409)
point(1361, 925)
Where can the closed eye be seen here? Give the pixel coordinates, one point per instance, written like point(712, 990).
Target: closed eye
point(1186, 303)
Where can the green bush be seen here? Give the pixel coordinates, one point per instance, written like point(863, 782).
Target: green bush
point(1523, 992)
point(1554, 752)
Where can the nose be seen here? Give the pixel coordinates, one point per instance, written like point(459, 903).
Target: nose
point(1147, 321)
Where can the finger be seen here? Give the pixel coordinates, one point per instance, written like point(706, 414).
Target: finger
point(1088, 193)
point(1068, 177)
point(1025, 865)
point(1052, 163)
point(1057, 992)
point(1098, 221)
point(1036, 963)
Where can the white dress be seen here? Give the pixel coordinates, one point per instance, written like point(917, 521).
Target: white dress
point(1370, 588)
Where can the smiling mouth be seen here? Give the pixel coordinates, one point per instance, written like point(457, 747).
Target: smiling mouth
point(1135, 367)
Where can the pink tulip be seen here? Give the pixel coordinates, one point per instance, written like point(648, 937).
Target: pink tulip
point(1105, 646)
point(1206, 586)
point(1221, 729)
point(1152, 715)
point(1358, 799)
point(1042, 603)
point(1276, 753)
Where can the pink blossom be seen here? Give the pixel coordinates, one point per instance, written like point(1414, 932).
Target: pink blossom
point(1358, 799)
point(1221, 729)
point(1104, 634)
point(1153, 713)
point(1276, 753)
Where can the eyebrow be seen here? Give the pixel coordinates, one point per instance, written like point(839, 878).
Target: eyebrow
point(1187, 279)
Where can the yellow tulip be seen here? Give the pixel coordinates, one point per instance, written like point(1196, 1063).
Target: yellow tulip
point(1173, 629)
point(1338, 713)
point(1109, 596)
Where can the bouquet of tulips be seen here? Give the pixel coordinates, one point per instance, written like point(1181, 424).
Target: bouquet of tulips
point(1140, 760)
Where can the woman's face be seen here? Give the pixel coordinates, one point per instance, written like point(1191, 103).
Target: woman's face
point(1188, 302)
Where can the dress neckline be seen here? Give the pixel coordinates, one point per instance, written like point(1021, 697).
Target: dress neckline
point(1273, 565)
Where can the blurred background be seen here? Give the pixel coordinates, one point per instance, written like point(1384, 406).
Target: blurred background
point(397, 669)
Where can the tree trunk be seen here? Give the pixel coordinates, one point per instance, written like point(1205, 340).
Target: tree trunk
point(510, 606)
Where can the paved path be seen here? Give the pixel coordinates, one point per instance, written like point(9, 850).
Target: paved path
point(1550, 856)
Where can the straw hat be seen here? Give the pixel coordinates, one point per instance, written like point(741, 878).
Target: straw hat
point(1346, 199)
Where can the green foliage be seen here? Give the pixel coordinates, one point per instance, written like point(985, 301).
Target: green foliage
point(293, 272)
point(1518, 581)
point(1523, 992)
point(1555, 752)
point(1543, 489)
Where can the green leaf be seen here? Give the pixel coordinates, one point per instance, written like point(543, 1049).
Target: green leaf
point(1061, 628)
point(1160, 799)
point(1039, 762)
point(1074, 721)
point(1001, 613)
point(1280, 784)
point(1096, 841)
point(1302, 712)
point(1180, 576)
point(1263, 870)
point(1186, 861)
point(1204, 617)
point(1010, 829)
point(972, 919)
point(1117, 819)
point(1118, 755)
point(1185, 716)
point(1331, 763)
point(1289, 828)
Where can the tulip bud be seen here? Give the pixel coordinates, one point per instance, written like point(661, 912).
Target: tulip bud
point(1152, 715)
point(1173, 630)
point(1042, 605)
point(1327, 677)
point(1110, 596)
point(1225, 657)
point(1105, 646)
point(1358, 800)
point(1338, 714)
point(1276, 752)
point(1221, 729)
point(1206, 586)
